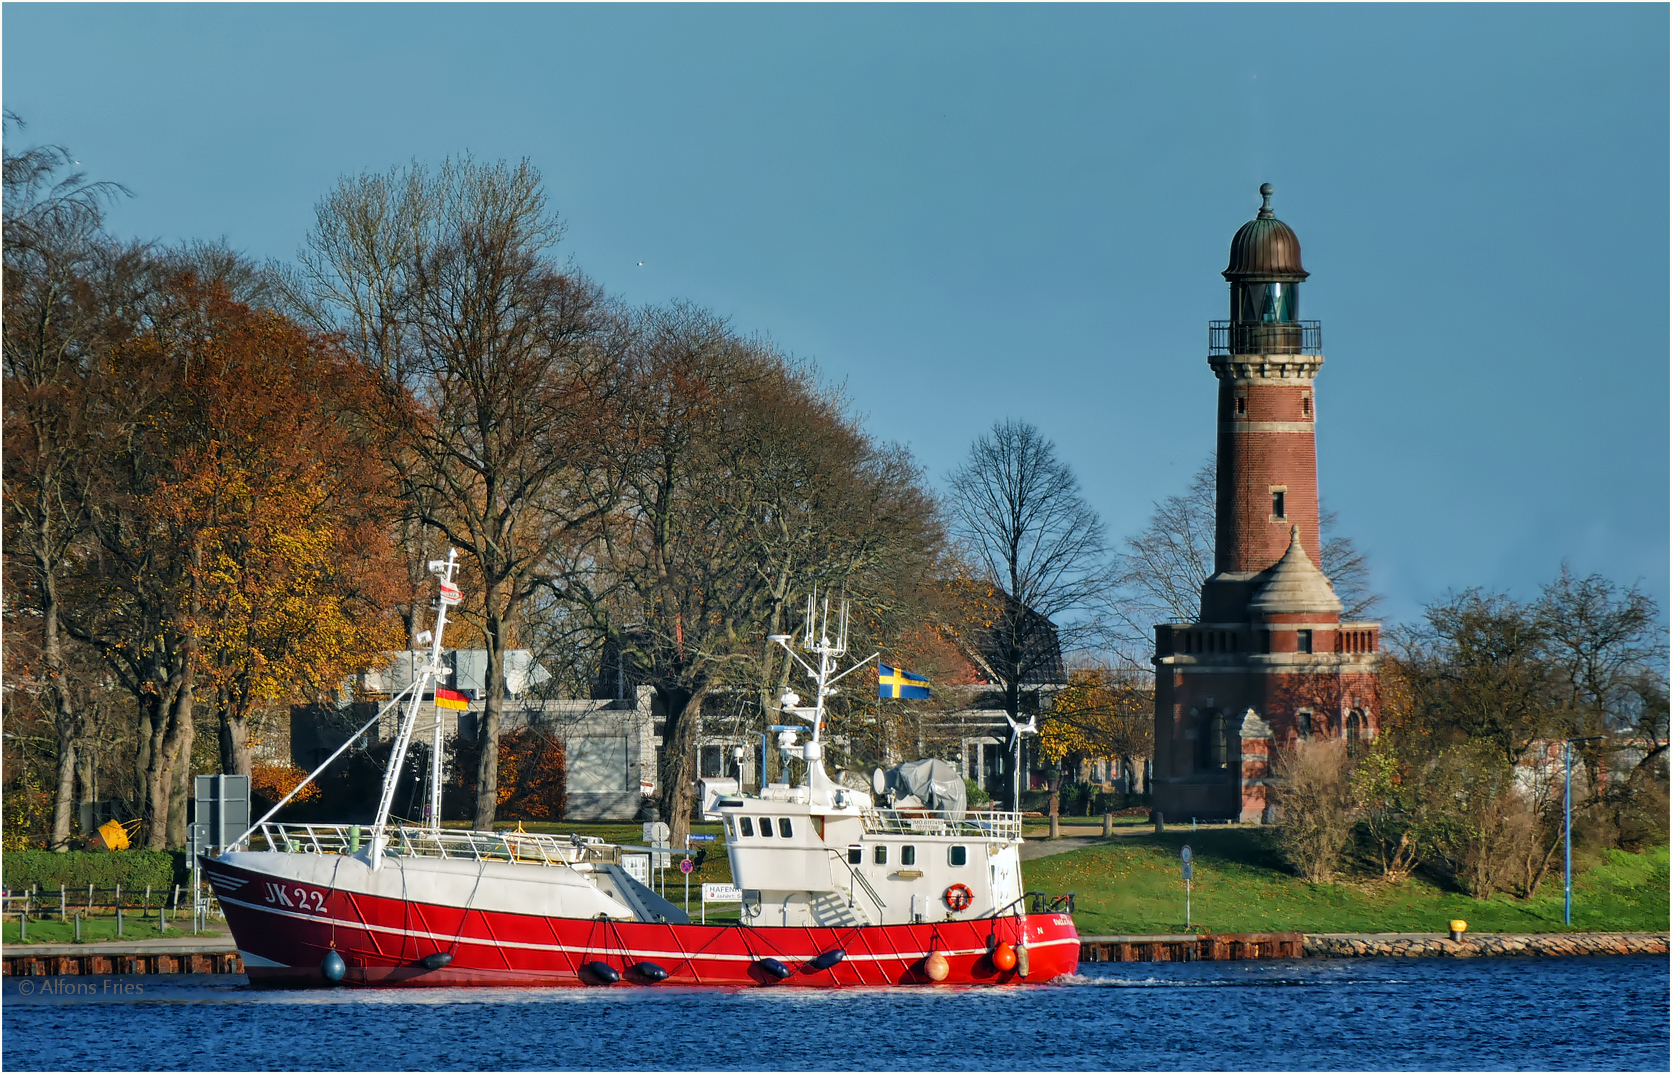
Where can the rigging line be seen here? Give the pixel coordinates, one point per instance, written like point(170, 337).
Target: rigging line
point(464, 918)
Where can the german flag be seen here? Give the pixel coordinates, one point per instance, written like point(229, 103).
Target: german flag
point(450, 699)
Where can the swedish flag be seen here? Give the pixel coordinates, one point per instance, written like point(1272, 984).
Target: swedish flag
point(892, 682)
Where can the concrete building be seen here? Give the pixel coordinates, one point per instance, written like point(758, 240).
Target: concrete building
point(1268, 662)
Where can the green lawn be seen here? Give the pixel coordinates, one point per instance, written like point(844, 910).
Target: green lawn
point(98, 928)
point(1134, 886)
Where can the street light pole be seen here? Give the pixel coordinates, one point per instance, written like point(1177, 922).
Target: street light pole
point(1567, 825)
point(1567, 833)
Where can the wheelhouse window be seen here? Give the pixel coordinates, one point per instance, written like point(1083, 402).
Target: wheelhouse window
point(880, 855)
point(856, 854)
point(957, 856)
point(784, 828)
point(745, 826)
point(766, 826)
point(908, 855)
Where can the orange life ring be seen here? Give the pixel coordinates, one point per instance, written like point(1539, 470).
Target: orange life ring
point(958, 898)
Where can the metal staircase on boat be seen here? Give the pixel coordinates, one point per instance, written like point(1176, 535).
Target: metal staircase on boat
point(832, 910)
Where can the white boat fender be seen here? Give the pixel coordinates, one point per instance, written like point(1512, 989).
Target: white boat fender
point(828, 959)
point(650, 971)
point(774, 967)
point(603, 971)
point(1022, 959)
point(333, 966)
point(436, 961)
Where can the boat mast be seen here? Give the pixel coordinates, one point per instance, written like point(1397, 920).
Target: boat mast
point(421, 677)
point(828, 652)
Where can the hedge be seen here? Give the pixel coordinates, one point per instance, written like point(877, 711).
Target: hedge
point(133, 869)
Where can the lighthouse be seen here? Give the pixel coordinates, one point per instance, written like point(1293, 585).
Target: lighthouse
point(1268, 664)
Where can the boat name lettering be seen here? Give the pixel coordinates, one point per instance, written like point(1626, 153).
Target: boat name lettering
point(305, 899)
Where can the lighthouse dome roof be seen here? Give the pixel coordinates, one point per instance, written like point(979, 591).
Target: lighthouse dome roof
point(1265, 248)
point(1293, 584)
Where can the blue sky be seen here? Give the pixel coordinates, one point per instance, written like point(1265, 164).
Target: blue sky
point(967, 213)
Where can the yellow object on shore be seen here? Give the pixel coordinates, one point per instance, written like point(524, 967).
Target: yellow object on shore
point(115, 835)
point(1459, 925)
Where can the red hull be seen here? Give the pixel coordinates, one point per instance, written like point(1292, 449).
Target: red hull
point(383, 942)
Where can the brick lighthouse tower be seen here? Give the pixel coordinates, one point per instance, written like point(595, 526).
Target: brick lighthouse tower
point(1269, 662)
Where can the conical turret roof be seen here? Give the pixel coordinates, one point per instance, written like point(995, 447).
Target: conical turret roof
point(1293, 584)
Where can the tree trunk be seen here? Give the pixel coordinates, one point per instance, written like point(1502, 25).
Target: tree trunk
point(487, 771)
point(64, 797)
point(235, 743)
point(678, 756)
point(180, 791)
point(1054, 785)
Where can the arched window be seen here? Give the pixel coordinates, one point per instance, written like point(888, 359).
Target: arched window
point(1355, 727)
point(1211, 741)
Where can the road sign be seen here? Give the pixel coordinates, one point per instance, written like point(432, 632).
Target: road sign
point(637, 866)
point(1187, 871)
point(687, 866)
point(702, 838)
point(656, 832)
point(1185, 853)
point(722, 893)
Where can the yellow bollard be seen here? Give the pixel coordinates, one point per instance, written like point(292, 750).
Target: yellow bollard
point(1458, 928)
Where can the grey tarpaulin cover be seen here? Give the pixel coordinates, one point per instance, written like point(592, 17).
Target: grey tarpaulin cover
point(937, 784)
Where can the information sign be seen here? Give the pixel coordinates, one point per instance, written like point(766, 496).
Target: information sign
point(637, 866)
point(701, 838)
point(722, 893)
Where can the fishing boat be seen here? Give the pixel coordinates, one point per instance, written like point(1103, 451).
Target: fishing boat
point(840, 886)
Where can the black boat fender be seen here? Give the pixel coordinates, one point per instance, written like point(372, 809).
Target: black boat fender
point(774, 967)
point(603, 971)
point(333, 966)
point(436, 961)
point(828, 959)
point(650, 971)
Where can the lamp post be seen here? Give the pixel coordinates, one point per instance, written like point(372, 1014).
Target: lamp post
point(1567, 825)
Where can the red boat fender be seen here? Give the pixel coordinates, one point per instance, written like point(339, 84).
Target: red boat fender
point(1004, 958)
point(958, 898)
point(935, 967)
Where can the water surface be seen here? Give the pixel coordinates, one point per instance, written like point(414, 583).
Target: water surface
point(1366, 1014)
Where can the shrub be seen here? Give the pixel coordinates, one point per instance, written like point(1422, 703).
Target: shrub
point(1315, 818)
point(74, 869)
point(974, 796)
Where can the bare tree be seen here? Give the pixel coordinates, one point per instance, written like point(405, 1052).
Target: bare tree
point(494, 362)
point(1160, 571)
point(54, 254)
point(1035, 541)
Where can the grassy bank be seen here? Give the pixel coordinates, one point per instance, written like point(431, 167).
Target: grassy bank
point(1133, 886)
point(101, 929)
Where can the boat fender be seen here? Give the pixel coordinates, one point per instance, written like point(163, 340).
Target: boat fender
point(828, 959)
point(603, 971)
point(935, 967)
point(1022, 959)
point(774, 967)
point(333, 967)
point(1004, 958)
point(650, 971)
point(437, 960)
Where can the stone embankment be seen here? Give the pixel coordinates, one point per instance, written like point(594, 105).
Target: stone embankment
point(1347, 945)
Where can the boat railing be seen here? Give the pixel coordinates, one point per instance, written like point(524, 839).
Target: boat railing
point(967, 824)
point(520, 848)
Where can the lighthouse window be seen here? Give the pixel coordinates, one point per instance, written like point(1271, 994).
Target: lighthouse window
point(1303, 642)
point(957, 856)
point(784, 827)
point(745, 826)
point(1242, 404)
point(908, 855)
point(1277, 510)
point(1306, 405)
point(881, 856)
